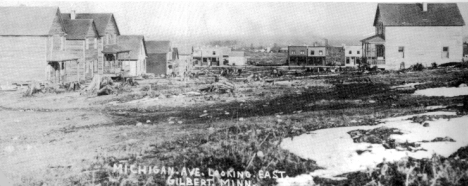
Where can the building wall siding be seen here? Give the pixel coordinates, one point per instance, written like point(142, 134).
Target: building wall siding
point(157, 64)
point(422, 45)
point(23, 58)
point(75, 47)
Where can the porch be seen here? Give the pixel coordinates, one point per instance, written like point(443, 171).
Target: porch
point(307, 61)
point(60, 68)
point(112, 65)
point(374, 50)
point(207, 61)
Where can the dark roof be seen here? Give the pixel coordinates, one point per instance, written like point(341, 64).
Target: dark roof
point(78, 28)
point(114, 49)
point(26, 20)
point(437, 14)
point(158, 46)
point(101, 20)
point(133, 43)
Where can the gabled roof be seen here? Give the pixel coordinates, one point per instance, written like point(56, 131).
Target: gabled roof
point(101, 20)
point(374, 39)
point(60, 56)
point(437, 14)
point(27, 20)
point(78, 28)
point(155, 47)
point(114, 49)
point(133, 43)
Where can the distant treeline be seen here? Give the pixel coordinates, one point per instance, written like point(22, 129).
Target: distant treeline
point(227, 43)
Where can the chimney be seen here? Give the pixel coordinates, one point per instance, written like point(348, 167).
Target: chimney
point(424, 5)
point(73, 14)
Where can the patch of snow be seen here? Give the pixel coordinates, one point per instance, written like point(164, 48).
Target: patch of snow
point(301, 180)
point(443, 91)
point(409, 85)
point(334, 149)
point(435, 107)
point(4, 181)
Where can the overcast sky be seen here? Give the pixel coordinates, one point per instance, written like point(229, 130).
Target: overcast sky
point(257, 22)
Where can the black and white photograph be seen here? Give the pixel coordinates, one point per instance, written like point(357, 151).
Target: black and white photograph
point(237, 93)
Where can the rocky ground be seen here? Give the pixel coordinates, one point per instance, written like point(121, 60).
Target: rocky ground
point(75, 139)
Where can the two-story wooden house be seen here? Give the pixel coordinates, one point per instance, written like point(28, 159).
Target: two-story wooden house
point(108, 31)
point(32, 41)
point(82, 40)
point(406, 34)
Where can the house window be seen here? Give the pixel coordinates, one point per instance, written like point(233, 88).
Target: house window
point(347, 60)
point(312, 52)
point(62, 43)
point(293, 52)
point(320, 52)
point(380, 50)
point(350, 52)
point(214, 52)
point(302, 51)
point(401, 51)
point(445, 52)
point(95, 43)
point(358, 52)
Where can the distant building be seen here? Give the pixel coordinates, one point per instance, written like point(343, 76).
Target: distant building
point(315, 55)
point(297, 55)
point(353, 55)
point(211, 56)
point(237, 58)
point(283, 50)
point(415, 33)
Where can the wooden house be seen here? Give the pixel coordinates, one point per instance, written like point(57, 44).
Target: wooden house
point(32, 42)
point(410, 33)
point(82, 40)
point(108, 31)
point(160, 57)
point(133, 63)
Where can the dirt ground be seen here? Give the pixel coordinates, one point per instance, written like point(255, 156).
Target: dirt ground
point(55, 139)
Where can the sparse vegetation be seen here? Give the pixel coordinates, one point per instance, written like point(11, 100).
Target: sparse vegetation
point(219, 131)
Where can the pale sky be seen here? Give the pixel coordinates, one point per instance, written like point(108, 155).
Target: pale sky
point(251, 22)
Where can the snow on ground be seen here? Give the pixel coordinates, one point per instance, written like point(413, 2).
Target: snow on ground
point(443, 91)
point(409, 85)
point(334, 150)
